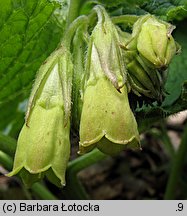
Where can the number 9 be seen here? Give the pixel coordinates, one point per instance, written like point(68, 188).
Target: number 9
point(180, 206)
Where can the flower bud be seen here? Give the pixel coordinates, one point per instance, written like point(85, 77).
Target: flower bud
point(147, 53)
point(107, 121)
point(154, 40)
point(43, 147)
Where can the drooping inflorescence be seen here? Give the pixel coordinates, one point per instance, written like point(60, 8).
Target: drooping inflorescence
point(84, 84)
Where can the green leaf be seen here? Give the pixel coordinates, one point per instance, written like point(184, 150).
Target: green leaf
point(166, 9)
point(178, 67)
point(147, 115)
point(28, 34)
point(10, 112)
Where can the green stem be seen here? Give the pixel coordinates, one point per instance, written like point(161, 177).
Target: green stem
point(127, 19)
point(6, 160)
point(161, 134)
point(85, 161)
point(74, 188)
point(79, 49)
point(68, 36)
point(73, 12)
point(176, 169)
point(42, 192)
point(166, 140)
point(26, 191)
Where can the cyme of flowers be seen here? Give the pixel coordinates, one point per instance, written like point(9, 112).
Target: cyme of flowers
point(84, 84)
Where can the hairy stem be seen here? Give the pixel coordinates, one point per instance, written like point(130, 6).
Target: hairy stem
point(70, 31)
point(126, 19)
point(79, 49)
point(73, 12)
